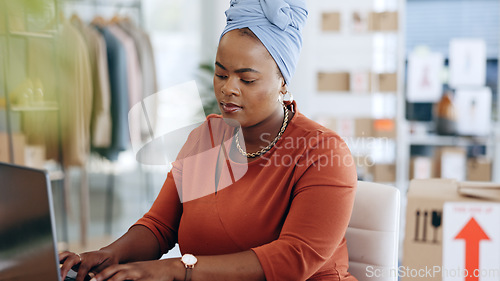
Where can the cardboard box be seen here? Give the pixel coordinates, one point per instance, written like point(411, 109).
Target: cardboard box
point(384, 128)
point(478, 169)
point(451, 163)
point(19, 143)
point(384, 172)
point(363, 127)
point(334, 81)
point(422, 245)
point(330, 21)
point(384, 21)
point(422, 167)
point(387, 82)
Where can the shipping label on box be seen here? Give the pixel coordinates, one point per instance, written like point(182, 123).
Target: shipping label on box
point(333, 81)
point(421, 167)
point(345, 127)
point(471, 241)
point(330, 21)
point(359, 22)
point(360, 82)
point(423, 242)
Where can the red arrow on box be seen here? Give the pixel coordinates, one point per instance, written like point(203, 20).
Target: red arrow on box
point(472, 233)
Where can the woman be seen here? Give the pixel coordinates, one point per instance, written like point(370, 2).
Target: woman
point(258, 193)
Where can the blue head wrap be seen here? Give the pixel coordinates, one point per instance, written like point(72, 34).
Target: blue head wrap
point(278, 25)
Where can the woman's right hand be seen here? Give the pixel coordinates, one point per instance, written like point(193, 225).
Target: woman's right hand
point(89, 262)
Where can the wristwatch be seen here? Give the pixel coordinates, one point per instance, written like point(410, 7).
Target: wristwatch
point(189, 261)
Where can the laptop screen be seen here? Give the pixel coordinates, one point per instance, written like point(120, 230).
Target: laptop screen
point(27, 238)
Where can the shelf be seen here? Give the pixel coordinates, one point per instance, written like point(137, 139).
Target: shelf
point(346, 94)
point(128, 4)
point(48, 106)
point(44, 35)
point(435, 140)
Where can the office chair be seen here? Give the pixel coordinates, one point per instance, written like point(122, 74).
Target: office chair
point(373, 233)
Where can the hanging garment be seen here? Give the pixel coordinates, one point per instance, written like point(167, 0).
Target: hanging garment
point(75, 88)
point(117, 65)
point(148, 69)
point(100, 126)
point(134, 79)
point(145, 55)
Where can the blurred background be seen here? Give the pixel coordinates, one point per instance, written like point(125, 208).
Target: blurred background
point(411, 85)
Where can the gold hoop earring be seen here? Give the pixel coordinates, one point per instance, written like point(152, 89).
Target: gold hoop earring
point(281, 98)
point(287, 97)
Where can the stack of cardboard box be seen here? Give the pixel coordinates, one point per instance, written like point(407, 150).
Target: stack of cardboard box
point(423, 237)
point(451, 163)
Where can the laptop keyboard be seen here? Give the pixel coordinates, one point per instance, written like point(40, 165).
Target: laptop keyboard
point(71, 276)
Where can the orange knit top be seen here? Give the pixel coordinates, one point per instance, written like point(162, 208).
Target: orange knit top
point(291, 206)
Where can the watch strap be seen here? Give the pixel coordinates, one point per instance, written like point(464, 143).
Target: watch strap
point(187, 277)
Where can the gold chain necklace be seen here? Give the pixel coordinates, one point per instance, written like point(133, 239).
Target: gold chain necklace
point(267, 148)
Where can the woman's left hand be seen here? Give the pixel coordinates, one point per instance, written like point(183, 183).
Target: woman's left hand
point(157, 270)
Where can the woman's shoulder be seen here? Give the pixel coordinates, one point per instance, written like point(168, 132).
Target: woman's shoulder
point(326, 157)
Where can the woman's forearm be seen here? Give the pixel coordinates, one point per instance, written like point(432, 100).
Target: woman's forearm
point(138, 244)
point(239, 266)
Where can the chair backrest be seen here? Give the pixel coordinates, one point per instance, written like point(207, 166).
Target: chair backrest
point(373, 233)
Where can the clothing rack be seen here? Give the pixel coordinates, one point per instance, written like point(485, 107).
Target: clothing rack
point(96, 9)
point(118, 6)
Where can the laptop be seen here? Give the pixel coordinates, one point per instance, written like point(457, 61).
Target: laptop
point(28, 248)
